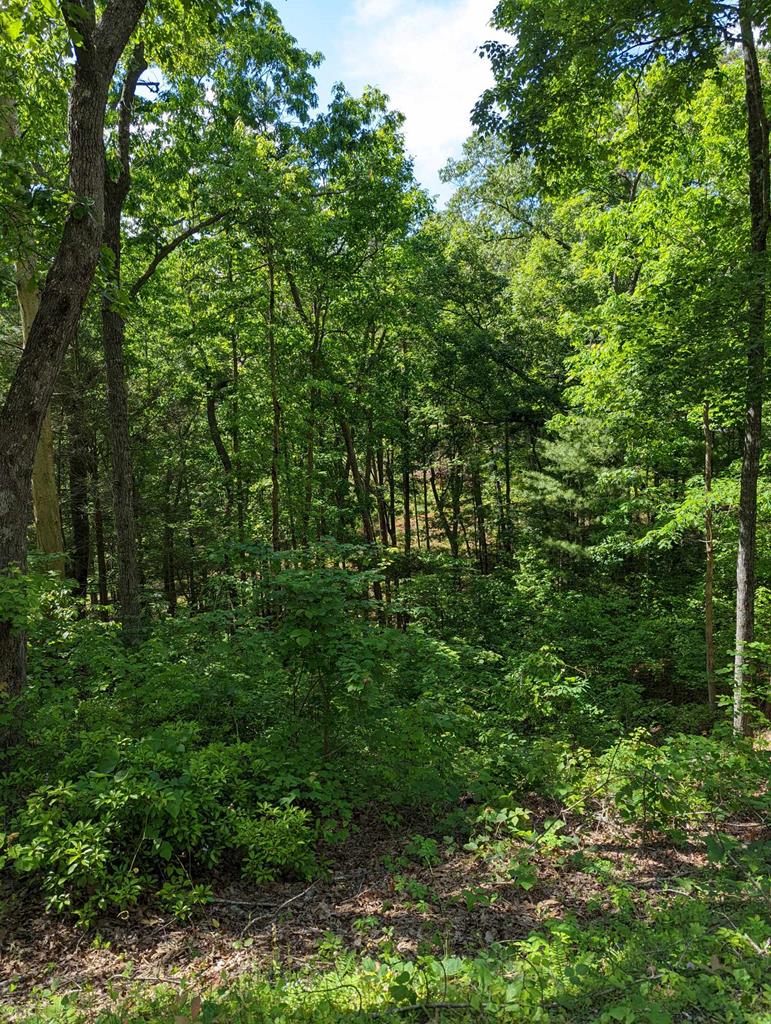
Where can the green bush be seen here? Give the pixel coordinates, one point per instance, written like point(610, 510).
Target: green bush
point(148, 819)
point(684, 785)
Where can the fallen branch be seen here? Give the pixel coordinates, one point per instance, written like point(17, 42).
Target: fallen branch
point(256, 920)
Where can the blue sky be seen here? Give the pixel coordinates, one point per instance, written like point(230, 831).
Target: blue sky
point(419, 52)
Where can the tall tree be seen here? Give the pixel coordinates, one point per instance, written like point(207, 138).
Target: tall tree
point(569, 57)
point(98, 43)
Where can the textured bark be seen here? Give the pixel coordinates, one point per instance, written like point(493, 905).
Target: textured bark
point(45, 497)
point(760, 210)
point(113, 343)
point(64, 293)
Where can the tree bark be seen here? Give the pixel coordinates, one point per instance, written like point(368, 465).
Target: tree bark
point(760, 209)
point(79, 458)
point(709, 581)
point(275, 484)
point(113, 342)
point(45, 497)
point(358, 483)
point(101, 555)
point(99, 45)
point(479, 521)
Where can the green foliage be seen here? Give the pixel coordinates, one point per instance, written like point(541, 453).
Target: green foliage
point(148, 818)
point(685, 786)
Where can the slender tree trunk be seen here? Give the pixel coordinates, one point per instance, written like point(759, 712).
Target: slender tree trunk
point(191, 581)
point(358, 483)
point(760, 208)
point(311, 436)
point(709, 609)
point(389, 469)
point(479, 520)
point(79, 467)
point(235, 428)
point(101, 558)
point(288, 484)
point(219, 445)
point(113, 342)
point(450, 527)
point(425, 510)
point(64, 293)
point(275, 487)
point(507, 543)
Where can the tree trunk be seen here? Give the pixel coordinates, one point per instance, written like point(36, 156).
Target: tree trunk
point(358, 483)
point(235, 431)
point(79, 466)
point(709, 608)
point(219, 445)
point(507, 531)
point(425, 510)
point(45, 497)
point(757, 143)
point(64, 293)
point(275, 486)
point(101, 557)
point(113, 341)
point(479, 520)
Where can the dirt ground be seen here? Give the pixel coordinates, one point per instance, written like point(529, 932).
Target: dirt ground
point(358, 903)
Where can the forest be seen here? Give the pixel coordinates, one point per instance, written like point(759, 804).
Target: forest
point(385, 585)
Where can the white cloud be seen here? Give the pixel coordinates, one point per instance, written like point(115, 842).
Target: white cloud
point(422, 55)
point(368, 11)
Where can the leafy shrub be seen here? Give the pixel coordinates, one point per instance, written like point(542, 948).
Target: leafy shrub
point(279, 838)
point(684, 785)
point(146, 819)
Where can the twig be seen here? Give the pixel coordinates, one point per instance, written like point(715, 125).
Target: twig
point(253, 921)
point(423, 1008)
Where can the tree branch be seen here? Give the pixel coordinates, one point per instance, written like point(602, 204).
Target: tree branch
point(168, 249)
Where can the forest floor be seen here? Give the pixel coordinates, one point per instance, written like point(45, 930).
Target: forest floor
point(368, 897)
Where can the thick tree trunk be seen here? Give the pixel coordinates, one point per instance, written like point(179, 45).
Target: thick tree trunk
point(45, 497)
point(64, 293)
point(760, 208)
